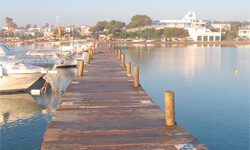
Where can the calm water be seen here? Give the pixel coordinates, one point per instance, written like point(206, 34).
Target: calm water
point(212, 102)
point(24, 118)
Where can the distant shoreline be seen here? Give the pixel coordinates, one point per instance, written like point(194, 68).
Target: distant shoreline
point(182, 42)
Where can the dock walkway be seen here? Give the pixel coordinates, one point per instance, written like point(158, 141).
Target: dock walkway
point(103, 110)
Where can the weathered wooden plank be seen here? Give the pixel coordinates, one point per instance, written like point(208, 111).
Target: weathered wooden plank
point(103, 110)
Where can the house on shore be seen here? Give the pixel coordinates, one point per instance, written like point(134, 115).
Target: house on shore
point(197, 29)
point(244, 32)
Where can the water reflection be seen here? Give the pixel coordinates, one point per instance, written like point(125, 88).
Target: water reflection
point(208, 93)
point(24, 117)
point(18, 106)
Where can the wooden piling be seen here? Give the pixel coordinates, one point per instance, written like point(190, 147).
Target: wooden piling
point(169, 108)
point(123, 61)
point(88, 59)
point(136, 76)
point(119, 54)
point(75, 50)
point(92, 54)
point(93, 45)
point(81, 67)
point(129, 69)
point(116, 53)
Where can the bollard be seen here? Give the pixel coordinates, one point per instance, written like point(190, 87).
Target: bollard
point(169, 108)
point(123, 61)
point(88, 59)
point(93, 42)
point(75, 50)
point(91, 52)
point(116, 53)
point(129, 69)
point(83, 50)
point(136, 76)
point(81, 67)
point(119, 54)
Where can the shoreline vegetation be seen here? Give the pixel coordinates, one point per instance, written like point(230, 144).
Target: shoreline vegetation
point(153, 42)
point(182, 42)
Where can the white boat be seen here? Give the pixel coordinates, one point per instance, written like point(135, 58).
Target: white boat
point(139, 40)
point(66, 61)
point(17, 76)
point(150, 40)
point(43, 58)
point(52, 58)
point(76, 46)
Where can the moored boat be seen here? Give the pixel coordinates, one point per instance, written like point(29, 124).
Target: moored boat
point(42, 58)
point(17, 76)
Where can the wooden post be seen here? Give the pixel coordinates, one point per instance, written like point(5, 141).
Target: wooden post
point(116, 53)
point(88, 59)
point(129, 69)
point(93, 45)
point(119, 54)
point(81, 67)
point(169, 108)
point(92, 54)
point(83, 50)
point(123, 61)
point(136, 76)
point(75, 50)
point(93, 51)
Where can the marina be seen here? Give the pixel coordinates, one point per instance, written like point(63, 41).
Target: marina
point(111, 75)
point(187, 72)
point(105, 109)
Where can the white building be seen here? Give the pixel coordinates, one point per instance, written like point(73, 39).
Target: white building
point(204, 34)
point(197, 29)
point(188, 21)
point(222, 26)
point(48, 31)
point(5, 28)
point(244, 32)
point(86, 30)
point(19, 31)
point(30, 33)
point(39, 30)
point(70, 28)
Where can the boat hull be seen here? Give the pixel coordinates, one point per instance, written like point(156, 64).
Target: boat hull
point(18, 82)
point(66, 63)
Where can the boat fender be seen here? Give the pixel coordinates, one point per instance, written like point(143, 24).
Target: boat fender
point(1, 70)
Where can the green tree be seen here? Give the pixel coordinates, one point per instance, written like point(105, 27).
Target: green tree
point(28, 26)
point(139, 21)
point(100, 25)
point(175, 32)
point(231, 35)
point(114, 25)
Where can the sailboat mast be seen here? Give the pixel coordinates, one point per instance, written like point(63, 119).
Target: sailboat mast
point(73, 48)
point(59, 35)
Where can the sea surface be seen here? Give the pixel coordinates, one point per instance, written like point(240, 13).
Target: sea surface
point(211, 98)
point(211, 85)
point(24, 118)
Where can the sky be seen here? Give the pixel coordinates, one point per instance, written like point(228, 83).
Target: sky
point(83, 12)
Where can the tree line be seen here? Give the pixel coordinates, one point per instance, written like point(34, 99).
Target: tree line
point(118, 29)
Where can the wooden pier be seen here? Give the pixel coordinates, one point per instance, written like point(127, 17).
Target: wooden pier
point(103, 110)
